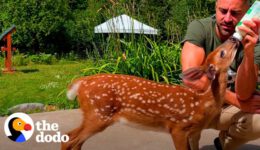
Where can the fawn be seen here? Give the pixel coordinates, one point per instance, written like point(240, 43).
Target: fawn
point(179, 110)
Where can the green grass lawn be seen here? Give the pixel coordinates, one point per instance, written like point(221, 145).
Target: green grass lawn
point(39, 83)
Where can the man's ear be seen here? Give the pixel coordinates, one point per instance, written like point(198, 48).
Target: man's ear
point(192, 74)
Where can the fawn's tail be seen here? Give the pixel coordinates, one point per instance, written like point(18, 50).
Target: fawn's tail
point(73, 90)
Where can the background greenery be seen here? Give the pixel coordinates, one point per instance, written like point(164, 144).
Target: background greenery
point(62, 26)
point(39, 83)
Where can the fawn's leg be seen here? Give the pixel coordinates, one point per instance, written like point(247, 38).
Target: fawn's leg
point(180, 140)
point(90, 126)
point(194, 141)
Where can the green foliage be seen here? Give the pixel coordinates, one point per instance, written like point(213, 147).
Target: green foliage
point(63, 26)
point(80, 26)
point(71, 56)
point(42, 59)
point(39, 23)
point(20, 59)
point(146, 58)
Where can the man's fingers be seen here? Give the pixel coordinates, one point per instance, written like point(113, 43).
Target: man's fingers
point(250, 30)
point(251, 38)
point(252, 25)
point(257, 22)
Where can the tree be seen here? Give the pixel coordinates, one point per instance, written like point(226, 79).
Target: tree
point(39, 23)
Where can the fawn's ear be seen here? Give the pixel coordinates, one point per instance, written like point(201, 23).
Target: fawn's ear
point(192, 73)
point(211, 72)
point(197, 72)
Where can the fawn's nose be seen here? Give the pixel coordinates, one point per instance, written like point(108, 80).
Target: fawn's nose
point(235, 41)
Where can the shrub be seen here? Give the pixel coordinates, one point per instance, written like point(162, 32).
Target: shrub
point(20, 59)
point(158, 62)
point(42, 59)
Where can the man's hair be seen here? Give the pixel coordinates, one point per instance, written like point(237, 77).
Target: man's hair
point(249, 2)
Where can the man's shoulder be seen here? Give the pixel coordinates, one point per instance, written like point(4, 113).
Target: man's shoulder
point(200, 32)
point(207, 22)
point(205, 25)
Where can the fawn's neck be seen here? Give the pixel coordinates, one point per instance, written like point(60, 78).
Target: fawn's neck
point(218, 87)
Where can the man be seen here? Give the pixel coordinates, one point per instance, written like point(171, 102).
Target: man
point(240, 121)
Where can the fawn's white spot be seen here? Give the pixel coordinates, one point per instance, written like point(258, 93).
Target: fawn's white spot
point(97, 97)
point(92, 83)
point(184, 120)
point(208, 104)
point(133, 88)
point(104, 94)
point(182, 100)
point(182, 111)
point(173, 119)
point(135, 96)
point(191, 105)
point(166, 106)
point(193, 112)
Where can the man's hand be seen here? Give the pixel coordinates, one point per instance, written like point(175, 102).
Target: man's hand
point(251, 29)
point(251, 105)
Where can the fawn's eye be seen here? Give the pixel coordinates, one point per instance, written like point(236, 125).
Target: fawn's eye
point(222, 53)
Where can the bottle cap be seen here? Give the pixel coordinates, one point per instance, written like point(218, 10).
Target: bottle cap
point(237, 36)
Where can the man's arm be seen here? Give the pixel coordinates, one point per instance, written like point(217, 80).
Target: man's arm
point(246, 79)
point(246, 98)
point(193, 56)
point(251, 105)
point(247, 72)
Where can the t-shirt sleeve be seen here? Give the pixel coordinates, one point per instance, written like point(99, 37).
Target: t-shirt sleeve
point(195, 34)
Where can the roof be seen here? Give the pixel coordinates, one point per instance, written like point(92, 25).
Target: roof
point(124, 24)
point(13, 27)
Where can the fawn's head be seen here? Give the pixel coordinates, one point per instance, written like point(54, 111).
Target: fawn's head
point(217, 61)
point(222, 57)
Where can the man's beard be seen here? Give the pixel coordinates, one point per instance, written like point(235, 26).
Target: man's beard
point(223, 32)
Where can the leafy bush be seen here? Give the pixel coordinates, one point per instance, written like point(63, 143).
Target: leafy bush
point(1, 60)
point(49, 26)
point(158, 62)
point(43, 59)
point(20, 59)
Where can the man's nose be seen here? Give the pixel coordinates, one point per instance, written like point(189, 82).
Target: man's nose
point(228, 17)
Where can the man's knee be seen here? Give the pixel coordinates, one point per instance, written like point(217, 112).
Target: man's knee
point(245, 126)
